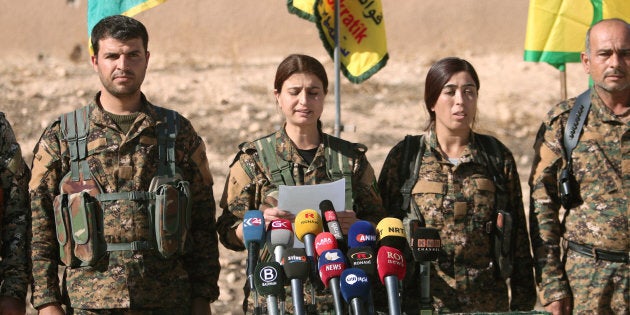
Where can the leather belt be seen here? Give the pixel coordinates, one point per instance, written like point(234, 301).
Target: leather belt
point(608, 255)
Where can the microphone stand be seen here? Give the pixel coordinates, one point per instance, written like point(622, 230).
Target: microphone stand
point(336, 293)
point(425, 296)
point(297, 296)
point(272, 305)
point(391, 282)
point(251, 261)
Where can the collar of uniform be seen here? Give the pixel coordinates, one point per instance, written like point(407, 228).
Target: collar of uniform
point(287, 150)
point(148, 115)
point(599, 109)
point(467, 153)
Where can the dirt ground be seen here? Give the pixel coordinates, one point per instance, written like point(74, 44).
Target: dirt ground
point(229, 99)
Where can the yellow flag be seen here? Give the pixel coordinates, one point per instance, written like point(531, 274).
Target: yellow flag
point(302, 8)
point(362, 40)
point(98, 9)
point(556, 29)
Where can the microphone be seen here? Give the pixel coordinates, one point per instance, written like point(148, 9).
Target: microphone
point(331, 264)
point(296, 268)
point(362, 239)
point(425, 247)
point(269, 282)
point(332, 223)
point(425, 244)
point(308, 223)
point(254, 238)
point(355, 289)
point(391, 268)
point(362, 233)
point(324, 241)
point(279, 237)
point(391, 232)
point(363, 258)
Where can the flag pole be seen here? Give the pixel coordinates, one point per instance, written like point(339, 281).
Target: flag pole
point(338, 127)
point(563, 84)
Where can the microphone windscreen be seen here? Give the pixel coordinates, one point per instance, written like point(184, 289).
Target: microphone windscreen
point(324, 241)
point(391, 232)
point(280, 233)
point(425, 244)
point(307, 221)
point(326, 205)
point(295, 263)
point(390, 262)
point(361, 233)
point(363, 258)
point(269, 279)
point(331, 263)
point(254, 227)
point(280, 224)
point(354, 284)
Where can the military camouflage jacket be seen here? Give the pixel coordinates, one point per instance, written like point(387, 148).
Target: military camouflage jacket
point(243, 193)
point(459, 201)
point(601, 165)
point(121, 163)
point(15, 227)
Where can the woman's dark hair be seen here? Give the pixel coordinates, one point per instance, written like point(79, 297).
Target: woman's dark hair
point(296, 63)
point(119, 27)
point(438, 76)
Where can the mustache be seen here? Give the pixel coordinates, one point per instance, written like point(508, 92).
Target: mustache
point(122, 73)
point(614, 72)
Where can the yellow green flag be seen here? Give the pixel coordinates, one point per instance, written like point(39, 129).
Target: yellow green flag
point(302, 8)
point(98, 9)
point(556, 29)
point(362, 40)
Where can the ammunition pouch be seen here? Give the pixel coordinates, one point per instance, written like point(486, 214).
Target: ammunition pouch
point(568, 189)
point(79, 223)
point(171, 213)
point(502, 237)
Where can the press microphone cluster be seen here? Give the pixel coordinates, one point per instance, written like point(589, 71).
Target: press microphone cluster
point(347, 267)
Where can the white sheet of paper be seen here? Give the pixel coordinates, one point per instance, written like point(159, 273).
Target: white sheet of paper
point(297, 198)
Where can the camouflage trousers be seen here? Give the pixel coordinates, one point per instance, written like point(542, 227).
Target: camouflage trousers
point(598, 286)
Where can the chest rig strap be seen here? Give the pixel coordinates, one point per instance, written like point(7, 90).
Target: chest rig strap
point(75, 126)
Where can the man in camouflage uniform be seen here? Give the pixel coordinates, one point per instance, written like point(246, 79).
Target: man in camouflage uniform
point(15, 220)
point(582, 257)
point(123, 157)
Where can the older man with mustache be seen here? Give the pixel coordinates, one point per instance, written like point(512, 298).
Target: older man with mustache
point(582, 255)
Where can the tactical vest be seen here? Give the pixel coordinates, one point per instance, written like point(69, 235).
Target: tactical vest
point(500, 229)
point(338, 154)
point(78, 210)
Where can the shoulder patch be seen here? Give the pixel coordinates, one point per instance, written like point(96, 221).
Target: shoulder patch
point(559, 109)
point(247, 146)
point(236, 181)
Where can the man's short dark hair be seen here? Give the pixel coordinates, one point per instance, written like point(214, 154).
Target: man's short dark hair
point(119, 27)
